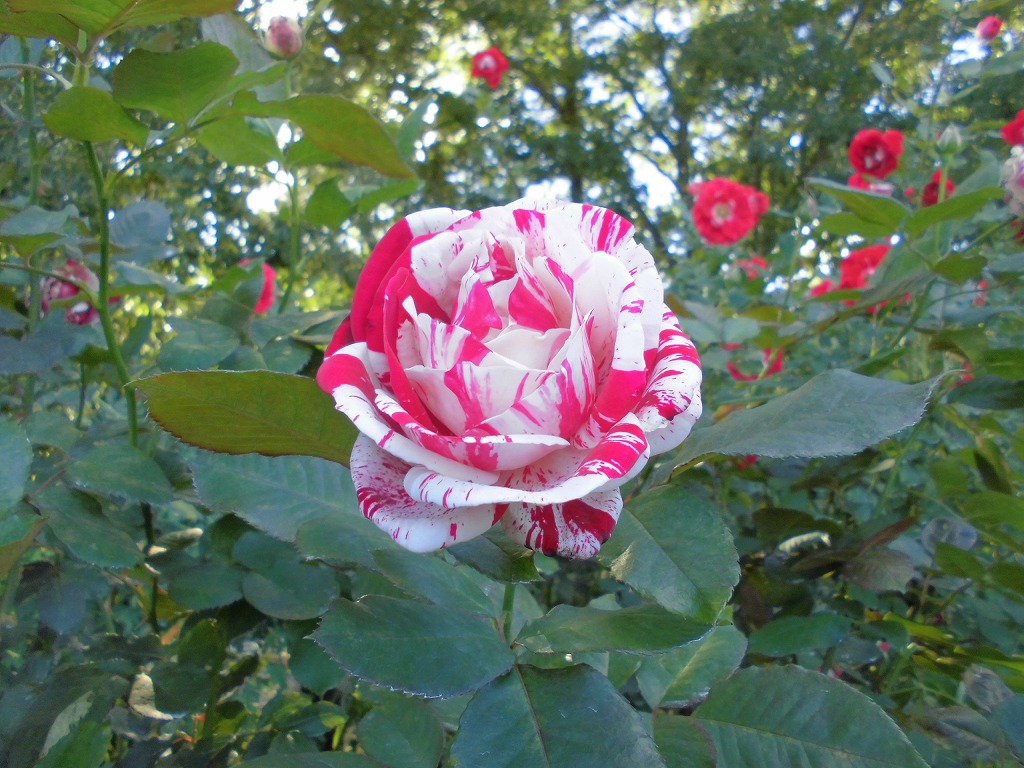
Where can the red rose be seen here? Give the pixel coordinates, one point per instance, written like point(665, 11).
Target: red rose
point(772, 365)
point(269, 291)
point(1013, 131)
point(857, 268)
point(79, 313)
point(725, 211)
point(753, 266)
point(875, 153)
point(825, 286)
point(930, 191)
point(989, 27)
point(869, 185)
point(490, 65)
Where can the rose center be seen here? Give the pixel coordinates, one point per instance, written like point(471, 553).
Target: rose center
point(721, 213)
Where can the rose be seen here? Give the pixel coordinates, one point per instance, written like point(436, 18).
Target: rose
point(753, 267)
point(490, 65)
point(1011, 177)
point(54, 289)
point(857, 268)
point(875, 153)
point(772, 364)
point(1013, 131)
point(989, 27)
point(284, 37)
point(930, 191)
point(725, 211)
point(269, 290)
point(517, 364)
point(857, 181)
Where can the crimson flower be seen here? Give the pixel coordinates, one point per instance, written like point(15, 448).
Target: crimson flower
point(753, 266)
point(1013, 131)
point(490, 65)
point(269, 291)
point(724, 211)
point(857, 268)
point(825, 286)
point(54, 289)
point(875, 153)
point(989, 27)
point(930, 191)
point(857, 181)
point(772, 364)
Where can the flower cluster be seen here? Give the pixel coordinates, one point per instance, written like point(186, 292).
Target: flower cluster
point(489, 66)
point(724, 211)
point(513, 365)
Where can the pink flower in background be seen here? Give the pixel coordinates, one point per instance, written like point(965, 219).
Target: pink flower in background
point(753, 267)
point(772, 364)
point(724, 211)
point(515, 365)
point(857, 181)
point(1011, 177)
point(1013, 131)
point(989, 27)
point(268, 293)
point(79, 313)
point(490, 65)
point(875, 153)
point(930, 191)
point(284, 37)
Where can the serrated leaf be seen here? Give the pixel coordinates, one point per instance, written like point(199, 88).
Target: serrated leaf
point(842, 224)
point(989, 392)
point(778, 717)
point(140, 231)
point(291, 590)
point(233, 141)
point(959, 206)
point(671, 546)
point(640, 629)
point(17, 459)
point(876, 209)
point(404, 733)
point(276, 494)
point(84, 113)
point(683, 742)
point(836, 413)
point(84, 747)
point(344, 539)
point(120, 470)
point(497, 556)
point(430, 577)
point(685, 675)
point(75, 519)
point(197, 344)
point(406, 645)
point(790, 634)
point(105, 16)
point(552, 718)
point(312, 760)
point(17, 532)
point(880, 569)
point(338, 126)
point(175, 85)
point(250, 412)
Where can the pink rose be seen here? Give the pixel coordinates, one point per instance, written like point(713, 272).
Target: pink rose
point(284, 37)
point(989, 27)
point(514, 365)
point(81, 312)
point(490, 65)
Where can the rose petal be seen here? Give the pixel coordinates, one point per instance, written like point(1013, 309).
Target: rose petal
point(416, 525)
point(574, 529)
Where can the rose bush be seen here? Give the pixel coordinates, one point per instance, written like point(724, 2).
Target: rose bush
point(516, 364)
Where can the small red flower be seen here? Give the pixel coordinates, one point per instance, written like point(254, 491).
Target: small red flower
point(857, 181)
point(1013, 131)
point(1018, 230)
point(54, 289)
point(875, 153)
point(269, 291)
point(284, 37)
point(857, 268)
point(772, 365)
point(724, 211)
point(745, 462)
point(930, 191)
point(982, 296)
point(752, 267)
point(989, 27)
point(825, 286)
point(490, 65)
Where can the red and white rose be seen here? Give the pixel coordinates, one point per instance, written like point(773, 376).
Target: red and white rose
point(53, 290)
point(515, 365)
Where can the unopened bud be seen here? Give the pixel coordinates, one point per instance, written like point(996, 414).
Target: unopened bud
point(989, 28)
point(949, 140)
point(284, 37)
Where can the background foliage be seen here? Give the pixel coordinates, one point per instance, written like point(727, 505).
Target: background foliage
point(828, 572)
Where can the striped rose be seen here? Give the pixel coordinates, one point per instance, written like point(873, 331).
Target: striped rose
point(514, 365)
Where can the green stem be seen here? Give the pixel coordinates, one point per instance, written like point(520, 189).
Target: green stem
point(507, 610)
point(103, 299)
point(26, 67)
point(82, 61)
point(295, 261)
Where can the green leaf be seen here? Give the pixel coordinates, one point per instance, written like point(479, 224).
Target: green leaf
point(17, 532)
point(639, 629)
point(234, 141)
point(404, 733)
point(277, 494)
point(290, 590)
point(105, 16)
point(338, 126)
point(312, 760)
point(84, 747)
point(344, 539)
point(17, 458)
point(84, 113)
point(842, 224)
point(430, 577)
point(327, 206)
point(120, 470)
point(684, 675)
point(959, 206)
point(880, 569)
point(175, 85)
point(990, 509)
point(140, 231)
point(44, 25)
point(407, 645)
point(199, 585)
point(683, 743)
point(33, 228)
point(197, 344)
point(313, 668)
point(137, 279)
point(671, 546)
point(552, 718)
point(76, 520)
point(875, 209)
point(778, 717)
point(252, 412)
point(790, 634)
point(836, 413)
point(497, 556)
point(1009, 716)
point(989, 392)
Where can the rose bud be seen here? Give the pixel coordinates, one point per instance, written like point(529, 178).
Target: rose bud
point(284, 37)
point(269, 290)
point(54, 289)
point(515, 365)
point(950, 140)
point(989, 28)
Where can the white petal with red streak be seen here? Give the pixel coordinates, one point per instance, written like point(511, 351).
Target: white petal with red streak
point(418, 526)
point(575, 529)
